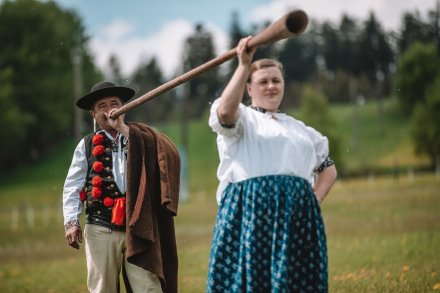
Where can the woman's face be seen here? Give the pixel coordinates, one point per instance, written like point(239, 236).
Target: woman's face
point(266, 88)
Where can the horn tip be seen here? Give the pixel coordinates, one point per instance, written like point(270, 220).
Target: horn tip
point(296, 21)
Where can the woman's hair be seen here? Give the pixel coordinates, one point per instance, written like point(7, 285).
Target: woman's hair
point(264, 63)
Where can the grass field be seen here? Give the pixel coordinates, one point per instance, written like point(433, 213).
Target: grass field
point(383, 232)
point(383, 236)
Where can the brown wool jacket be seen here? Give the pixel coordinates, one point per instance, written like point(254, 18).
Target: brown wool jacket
point(153, 176)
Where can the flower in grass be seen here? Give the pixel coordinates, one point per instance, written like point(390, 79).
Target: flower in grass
point(405, 269)
point(98, 139)
point(96, 181)
point(436, 286)
point(96, 192)
point(98, 150)
point(98, 166)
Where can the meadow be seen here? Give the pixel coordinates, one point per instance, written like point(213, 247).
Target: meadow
point(383, 232)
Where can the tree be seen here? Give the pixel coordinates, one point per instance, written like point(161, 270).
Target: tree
point(13, 123)
point(298, 60)
point(315, 112)
point(416, 70)
point(145, 78)
point(115, 71)
point(434, 16)
point(235, 35)
point(37, 74)
point(199, 49)
point(413, 30)
point(331, 46)
point(269, 50)
point(426, 124)
point(374, 51)
point(349, 33)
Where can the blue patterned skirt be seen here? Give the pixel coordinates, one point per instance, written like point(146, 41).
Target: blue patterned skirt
point(269, 236)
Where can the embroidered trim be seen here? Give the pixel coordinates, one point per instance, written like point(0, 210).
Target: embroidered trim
point(71, 224)
point(227, 125)
point(327, 163)
point(261, 110)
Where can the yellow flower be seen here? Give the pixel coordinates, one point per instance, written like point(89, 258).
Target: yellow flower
point(405, 269)
point(436, 286)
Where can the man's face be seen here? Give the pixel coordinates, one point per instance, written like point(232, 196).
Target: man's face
point(102, 106)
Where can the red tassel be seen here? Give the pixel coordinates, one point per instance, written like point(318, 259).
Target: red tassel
point(118, 211)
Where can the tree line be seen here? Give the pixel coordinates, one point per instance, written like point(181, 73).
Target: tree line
point(340, 60)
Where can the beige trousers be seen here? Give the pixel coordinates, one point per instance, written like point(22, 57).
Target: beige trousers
point(105, 251)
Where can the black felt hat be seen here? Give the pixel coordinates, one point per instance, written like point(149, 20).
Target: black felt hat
point(102, 90)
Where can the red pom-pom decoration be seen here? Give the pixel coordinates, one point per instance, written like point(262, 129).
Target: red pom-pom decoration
point(108, 202)
point(98, 139)
point(82, 195)
point(98, 166)
point(96, 181)
point(98, 150)
point(96, 192)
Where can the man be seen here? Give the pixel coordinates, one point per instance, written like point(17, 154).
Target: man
point(127, 176)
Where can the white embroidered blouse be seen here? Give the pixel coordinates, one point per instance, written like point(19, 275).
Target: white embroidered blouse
point(261, 144)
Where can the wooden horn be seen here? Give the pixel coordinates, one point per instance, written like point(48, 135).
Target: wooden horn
point(291, 24)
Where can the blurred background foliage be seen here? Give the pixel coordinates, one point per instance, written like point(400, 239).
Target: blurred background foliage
point(375, 94)
point(45, 64)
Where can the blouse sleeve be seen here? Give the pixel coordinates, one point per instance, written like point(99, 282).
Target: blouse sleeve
point(222, 128)
point(320, 142)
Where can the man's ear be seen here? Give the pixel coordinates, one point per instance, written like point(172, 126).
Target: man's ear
point(92, 114)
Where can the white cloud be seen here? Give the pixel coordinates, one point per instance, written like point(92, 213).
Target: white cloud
point(117, 30)
point(166, 45)
point(388, 12)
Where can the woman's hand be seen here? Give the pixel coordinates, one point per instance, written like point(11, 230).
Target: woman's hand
point(324, 182)
point(244, 53)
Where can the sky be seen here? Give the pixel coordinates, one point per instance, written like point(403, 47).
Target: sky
point(137, 30)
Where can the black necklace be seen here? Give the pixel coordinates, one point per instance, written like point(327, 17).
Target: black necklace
point(262, 110)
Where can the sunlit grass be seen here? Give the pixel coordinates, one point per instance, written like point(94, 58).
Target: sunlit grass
point(383, 232)
point(383, 236)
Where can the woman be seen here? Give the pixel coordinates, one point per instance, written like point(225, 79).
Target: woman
point(269, 235)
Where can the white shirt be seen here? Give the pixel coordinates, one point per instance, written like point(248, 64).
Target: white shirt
point(76, 177)
point(263, 144)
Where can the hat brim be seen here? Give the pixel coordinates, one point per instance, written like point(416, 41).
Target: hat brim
point(87, 101)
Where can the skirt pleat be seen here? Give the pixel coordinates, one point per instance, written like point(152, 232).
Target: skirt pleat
point(269, 236)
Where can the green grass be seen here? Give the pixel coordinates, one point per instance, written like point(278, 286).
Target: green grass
point(383, 236)
point(383, 232)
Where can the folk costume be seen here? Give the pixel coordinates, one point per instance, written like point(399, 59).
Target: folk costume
point(269, 234)
point(130, 189)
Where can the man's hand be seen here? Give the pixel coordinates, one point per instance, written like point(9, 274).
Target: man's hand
point(118, 124)
point(74, 236)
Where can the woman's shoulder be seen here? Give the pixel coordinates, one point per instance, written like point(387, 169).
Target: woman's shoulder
point(293, 120)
